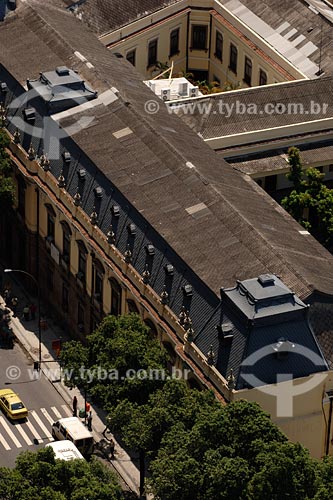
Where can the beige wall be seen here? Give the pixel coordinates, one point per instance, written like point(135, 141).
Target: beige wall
point(310, 410)
point(136, 36)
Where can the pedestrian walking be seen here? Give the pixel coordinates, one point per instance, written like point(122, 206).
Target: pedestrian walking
point(107, 427)
point(87, 408)
point(75, 406)
point(14, 303)
point(26, 313)
point(7, 296)
point(33, 309)
point(112, 446)
point(89, 422)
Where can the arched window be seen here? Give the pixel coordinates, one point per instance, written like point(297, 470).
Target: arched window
point(152, 328)
point(115, 297)
point(171, 354)
point(82, 261)
point(194, 384)
point(132, 307)
point(66, 242)
point(97, 280)
point(51, 216)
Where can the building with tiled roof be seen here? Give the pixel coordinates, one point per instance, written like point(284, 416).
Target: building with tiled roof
point(120, 209)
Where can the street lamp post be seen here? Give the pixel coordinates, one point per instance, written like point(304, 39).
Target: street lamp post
point(39, 325)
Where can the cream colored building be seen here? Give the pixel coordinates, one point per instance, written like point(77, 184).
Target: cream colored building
point(134, 212)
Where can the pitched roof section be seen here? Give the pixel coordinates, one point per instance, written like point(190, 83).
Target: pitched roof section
point(103, 16)
point(160, 171)
point(259, 108)
point(317, 150)
point(293, 29)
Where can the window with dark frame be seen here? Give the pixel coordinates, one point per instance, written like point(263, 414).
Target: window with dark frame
point(174, 42)
point(262, 77)
point(98, 284)
point(233, 58)
point(21, 197)
point(152, 53)
point(80, 316)
point(130, 56)
point(82, 265)
point(50, 226)
point(115, 297)
point(248, 70)
point(219, 45)
point(65, 297)
point(199, 37)
point(66, 243)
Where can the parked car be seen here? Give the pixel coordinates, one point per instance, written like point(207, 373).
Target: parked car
point(12, 405)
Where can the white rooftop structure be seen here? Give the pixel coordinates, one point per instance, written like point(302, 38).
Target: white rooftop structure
point(169, 89)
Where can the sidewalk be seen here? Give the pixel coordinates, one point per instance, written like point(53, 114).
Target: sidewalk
point(26, 333)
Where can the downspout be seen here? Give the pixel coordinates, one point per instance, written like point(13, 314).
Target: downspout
point(37, 236)
point(187, 40)
point(328, 435)
point(210, 42)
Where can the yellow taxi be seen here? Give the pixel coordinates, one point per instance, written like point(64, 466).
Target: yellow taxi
point(12, 405)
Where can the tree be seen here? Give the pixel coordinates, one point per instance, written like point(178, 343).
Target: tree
point(295, 174)
point(121, 361)
point(231, 452)
point(311, 202)
point(7, 187)
point(40, 476)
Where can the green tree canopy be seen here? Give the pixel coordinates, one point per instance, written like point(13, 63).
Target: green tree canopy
point(7, 187)
point(311, 201)
point(120, 361)
point(39, 476)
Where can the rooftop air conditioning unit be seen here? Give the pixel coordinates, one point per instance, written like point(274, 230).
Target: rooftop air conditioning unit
point(194, 91)
point(165, 94)
point(183, 89)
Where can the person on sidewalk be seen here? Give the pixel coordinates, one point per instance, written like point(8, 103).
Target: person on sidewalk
point(14, 303)
point(112, 446)
point(89, 422)
point(75, 406)
point(26, 313)
point(107, 427)
point(33, 310)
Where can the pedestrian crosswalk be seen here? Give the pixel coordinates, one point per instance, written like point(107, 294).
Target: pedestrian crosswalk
point(36, 429)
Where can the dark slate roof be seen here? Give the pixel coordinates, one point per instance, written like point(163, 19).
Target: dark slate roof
point(315, 151)
point(226, 115)
point(262, 332)
point(212, 223)
point(162, 168)
point(103, 16)
point(301, 26)
point(61, 88)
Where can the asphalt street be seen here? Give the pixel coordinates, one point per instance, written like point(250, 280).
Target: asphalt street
point(40, 397)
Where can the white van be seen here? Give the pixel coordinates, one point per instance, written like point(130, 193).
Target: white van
point(72, 429)
point(65, 450)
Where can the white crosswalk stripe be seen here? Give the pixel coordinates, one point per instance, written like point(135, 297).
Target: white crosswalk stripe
point(37, 427)
point(47, 415)
point(55, 411)
point(67, 410)
point(33, 431)
point(10, 432)
point(41, 425)
point(4, 442)
point(23, 434)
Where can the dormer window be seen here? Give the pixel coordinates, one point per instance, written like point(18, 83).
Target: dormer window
point(115, 210)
